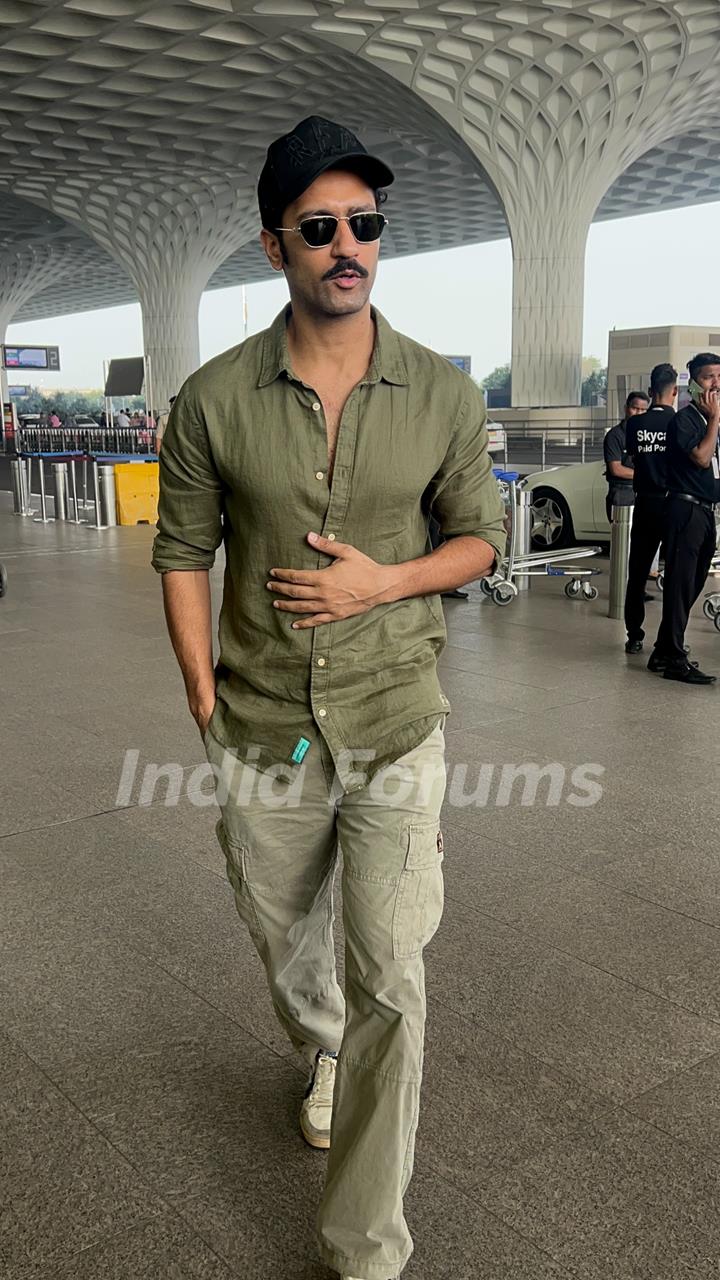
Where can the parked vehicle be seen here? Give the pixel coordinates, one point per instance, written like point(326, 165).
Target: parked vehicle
point(568, 505)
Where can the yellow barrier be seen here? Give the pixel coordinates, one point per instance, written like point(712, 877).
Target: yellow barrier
point(136, 492)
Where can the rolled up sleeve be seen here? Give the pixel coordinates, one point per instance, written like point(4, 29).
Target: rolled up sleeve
point(612, 449)
point(688, 431)
point(464, 493)
point(190, 508)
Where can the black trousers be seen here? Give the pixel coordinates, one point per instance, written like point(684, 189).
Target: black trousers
point(689, 549)
point(646, 535)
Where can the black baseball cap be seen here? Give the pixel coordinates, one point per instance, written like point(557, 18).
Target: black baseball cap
point(298, 158)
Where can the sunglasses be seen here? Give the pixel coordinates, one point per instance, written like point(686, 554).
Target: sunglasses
point(320, 230)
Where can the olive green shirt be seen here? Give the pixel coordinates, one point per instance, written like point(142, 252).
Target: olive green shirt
point(245, 461)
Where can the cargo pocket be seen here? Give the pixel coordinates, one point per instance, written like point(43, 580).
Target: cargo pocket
point(419, 899)
point(236, 858)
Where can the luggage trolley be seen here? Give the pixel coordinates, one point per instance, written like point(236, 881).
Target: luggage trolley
point(501, 585)
point(711, 603)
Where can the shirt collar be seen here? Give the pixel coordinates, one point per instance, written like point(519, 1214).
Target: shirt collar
point(387, 363)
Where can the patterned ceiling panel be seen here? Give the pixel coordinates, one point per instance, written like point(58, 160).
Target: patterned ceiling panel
point(131, 130)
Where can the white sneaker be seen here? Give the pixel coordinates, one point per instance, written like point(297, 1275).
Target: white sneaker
point(316, 1111)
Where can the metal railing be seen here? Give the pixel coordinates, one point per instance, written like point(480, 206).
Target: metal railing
point(561, 445)
point(526, 444)
point(85, 439)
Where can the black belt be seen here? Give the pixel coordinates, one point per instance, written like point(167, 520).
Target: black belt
point(690, 497)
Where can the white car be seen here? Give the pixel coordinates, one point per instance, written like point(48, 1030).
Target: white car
point(568, 505)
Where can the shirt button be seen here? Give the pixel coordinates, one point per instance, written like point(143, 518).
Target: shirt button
point(331, 537)
point(321, 662)
point(319, 475)
point(322, 712)
point(317, 406)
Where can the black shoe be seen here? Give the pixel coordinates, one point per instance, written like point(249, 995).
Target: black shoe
point(688, 674)
point(455, 595)
point(633, 646)
point(658, 662)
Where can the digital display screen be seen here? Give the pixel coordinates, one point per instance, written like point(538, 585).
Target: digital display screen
point(26, 357)
point(461, 362)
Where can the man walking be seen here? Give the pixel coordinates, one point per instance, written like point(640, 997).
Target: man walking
point(693, 480)
point(316, 451)
point(646, 440)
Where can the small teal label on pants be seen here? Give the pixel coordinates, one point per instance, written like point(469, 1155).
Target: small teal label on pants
point(300, 751)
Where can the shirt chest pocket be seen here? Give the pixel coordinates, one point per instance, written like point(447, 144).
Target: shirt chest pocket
point(419, 899)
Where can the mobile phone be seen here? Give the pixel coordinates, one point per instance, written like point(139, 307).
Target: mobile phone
point(696, 391)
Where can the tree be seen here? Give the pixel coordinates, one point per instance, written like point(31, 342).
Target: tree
point(65, 402)
point(589, 364)
point(498, 380)
point(594, 387)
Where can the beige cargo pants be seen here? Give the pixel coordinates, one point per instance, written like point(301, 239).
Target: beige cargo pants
point(280, 839)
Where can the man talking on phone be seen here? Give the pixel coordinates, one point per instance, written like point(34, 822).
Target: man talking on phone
point(693, 479)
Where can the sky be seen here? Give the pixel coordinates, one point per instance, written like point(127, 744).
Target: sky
point(458, 301)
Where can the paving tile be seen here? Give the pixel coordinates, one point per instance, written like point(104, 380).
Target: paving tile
point(488, 1104)
point(165, 915)
point(69, 1001)
point(557, 832)
point(455, 1237)
point(686, 880)
point(497, 880)
point(459, 682)
point(223, 1147)
point(612, 1196)
point(687, 1106)
point(591, 1026)
point(657, 949)
point(164, 1249)
point(187, 829)
point(66, 1188)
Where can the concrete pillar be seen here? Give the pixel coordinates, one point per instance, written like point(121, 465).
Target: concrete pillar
point(170, 234)
point(171, 335)
point(4, 322)
point(25, 270)
point(547, 315)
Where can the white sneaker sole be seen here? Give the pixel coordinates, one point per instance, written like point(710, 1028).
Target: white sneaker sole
point(314, 1137)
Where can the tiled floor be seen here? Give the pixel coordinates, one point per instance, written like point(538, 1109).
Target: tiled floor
point(148, 1103)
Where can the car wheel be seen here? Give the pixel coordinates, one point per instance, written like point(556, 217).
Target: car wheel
point(551, 521)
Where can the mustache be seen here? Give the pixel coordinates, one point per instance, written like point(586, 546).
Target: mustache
point(346, 264)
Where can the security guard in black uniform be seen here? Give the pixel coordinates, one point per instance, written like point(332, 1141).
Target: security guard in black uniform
point(693, 478)
point(645, 441)
point(618, 463)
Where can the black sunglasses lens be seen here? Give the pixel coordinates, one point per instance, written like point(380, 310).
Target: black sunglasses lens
point(367, 227)
point(317, 232)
